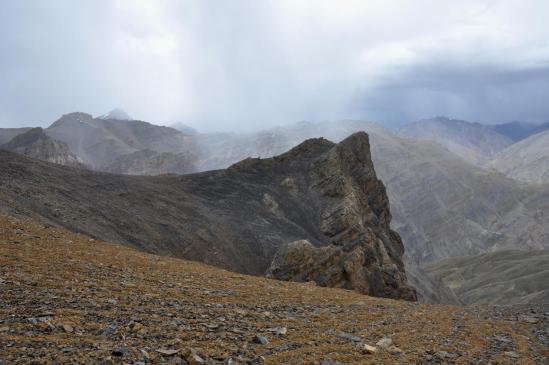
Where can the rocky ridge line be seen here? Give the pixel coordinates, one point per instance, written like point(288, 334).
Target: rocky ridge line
point(325, 193)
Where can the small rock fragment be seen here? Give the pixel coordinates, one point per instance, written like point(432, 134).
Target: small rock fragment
point(349, 336)
point(167, 352)
point(512, 354)
point(68, 350)
point(120, 351)
point(384, 343)
point(145, 354)
point(260, 340)
point(109, 330)
point(278, 330)
point(394, 350)
point(447, 355)
point(68, 328)
point(367, 349)
point(192, 357)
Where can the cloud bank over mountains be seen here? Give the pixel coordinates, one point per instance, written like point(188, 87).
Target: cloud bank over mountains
point(244, 65)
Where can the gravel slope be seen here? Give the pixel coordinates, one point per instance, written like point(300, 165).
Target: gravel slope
point(66, 298)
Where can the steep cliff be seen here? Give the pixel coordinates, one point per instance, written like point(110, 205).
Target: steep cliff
point(363, 253)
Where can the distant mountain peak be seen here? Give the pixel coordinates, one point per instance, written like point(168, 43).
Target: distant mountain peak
point(26, 138)
point(117, 114)
point(35, 143)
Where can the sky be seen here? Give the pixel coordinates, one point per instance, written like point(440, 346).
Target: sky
point(245, 65)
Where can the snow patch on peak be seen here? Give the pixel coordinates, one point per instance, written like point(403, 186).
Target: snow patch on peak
point(117, 114)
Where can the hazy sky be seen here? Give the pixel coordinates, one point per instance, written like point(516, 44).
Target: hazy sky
point(253, 64)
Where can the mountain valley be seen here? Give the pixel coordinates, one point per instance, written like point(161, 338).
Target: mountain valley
point(442, 205)
point(274, 182)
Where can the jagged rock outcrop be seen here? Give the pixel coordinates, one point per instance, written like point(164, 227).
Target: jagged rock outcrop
point(363, 252)
point(36, 144)
point(238, 218)
point(441, 205)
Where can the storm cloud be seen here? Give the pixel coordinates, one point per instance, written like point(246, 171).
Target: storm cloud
point(245, 65)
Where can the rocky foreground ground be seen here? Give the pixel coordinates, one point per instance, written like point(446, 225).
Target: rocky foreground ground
point(69, 299)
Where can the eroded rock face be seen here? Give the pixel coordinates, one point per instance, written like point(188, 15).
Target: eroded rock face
point(360, 251)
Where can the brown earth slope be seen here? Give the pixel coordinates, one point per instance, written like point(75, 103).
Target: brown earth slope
point(66, 298)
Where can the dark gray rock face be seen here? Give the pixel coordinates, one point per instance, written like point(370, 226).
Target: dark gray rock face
point(238, 218)
point(363, 253)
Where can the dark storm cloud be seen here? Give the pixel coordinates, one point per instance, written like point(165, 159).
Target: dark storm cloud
point(480, 94)
point(252, 64)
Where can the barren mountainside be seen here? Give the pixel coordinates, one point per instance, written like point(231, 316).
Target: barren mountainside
point(100, 141)
point(474, 142)
point(325, 193)
point(147, 162)
point(442, 206)
point(527, 160)
point(66, 298)
point(36, 144)
point(510, 277)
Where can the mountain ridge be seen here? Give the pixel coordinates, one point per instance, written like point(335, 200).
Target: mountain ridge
point(35, 143)
point(236, 218)
point(474, 142)
point(526, 160)
point(518, 131)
